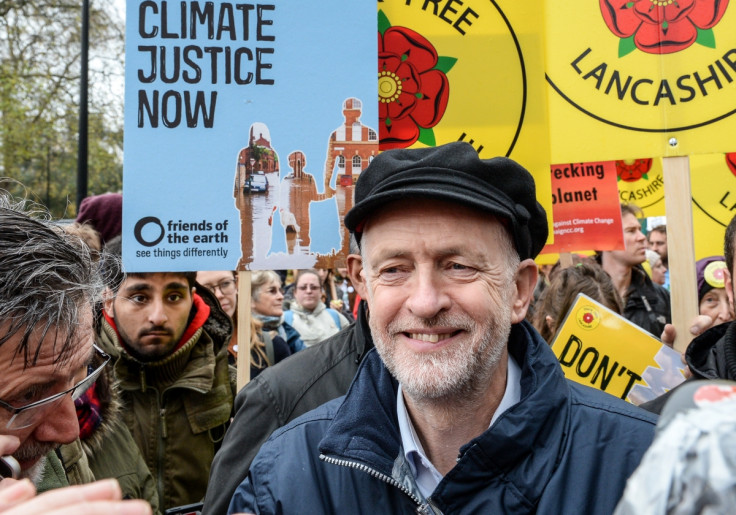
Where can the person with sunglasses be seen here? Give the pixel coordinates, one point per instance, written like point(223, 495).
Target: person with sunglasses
point(308, 314)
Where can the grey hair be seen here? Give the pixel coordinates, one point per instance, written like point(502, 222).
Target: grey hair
point(260, 278)
point(48, 279)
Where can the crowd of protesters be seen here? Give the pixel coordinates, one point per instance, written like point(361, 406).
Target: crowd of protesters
point(486, 424)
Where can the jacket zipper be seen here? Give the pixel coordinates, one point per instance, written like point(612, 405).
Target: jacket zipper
point(425, 508)
point(161, 438)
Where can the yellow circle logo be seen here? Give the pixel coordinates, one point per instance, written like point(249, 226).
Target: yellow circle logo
point(450, 74)
point(622, 62)
point(588, 317)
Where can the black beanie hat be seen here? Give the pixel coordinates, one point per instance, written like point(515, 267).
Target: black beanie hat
point(454, 173)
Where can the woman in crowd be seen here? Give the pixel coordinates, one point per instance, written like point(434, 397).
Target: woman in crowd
point(336, 292)
point(267, 307)
point(712, 298)
point(308, 314)
point(565, 283)
point(265, 349)
point(656, 268)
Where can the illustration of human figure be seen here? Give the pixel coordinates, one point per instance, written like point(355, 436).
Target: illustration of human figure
point(350, 148)
point(301, 201)
point(256, 193)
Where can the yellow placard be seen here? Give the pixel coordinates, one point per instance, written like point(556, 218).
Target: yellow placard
point(490, 91)
point(639, 78)
point(713, 185)
point(599, 348)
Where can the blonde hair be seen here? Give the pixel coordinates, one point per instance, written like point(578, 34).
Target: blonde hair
point(260, 278)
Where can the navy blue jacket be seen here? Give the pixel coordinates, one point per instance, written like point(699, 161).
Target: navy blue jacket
point(564, 448)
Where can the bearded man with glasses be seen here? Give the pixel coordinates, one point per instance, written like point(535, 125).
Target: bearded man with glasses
point(48, 286)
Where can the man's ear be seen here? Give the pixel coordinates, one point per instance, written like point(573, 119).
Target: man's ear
point(549, 323)
point(357, 275)
point(526, 281)
point(108, 297)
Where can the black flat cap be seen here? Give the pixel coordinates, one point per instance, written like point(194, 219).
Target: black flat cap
point(454, 173)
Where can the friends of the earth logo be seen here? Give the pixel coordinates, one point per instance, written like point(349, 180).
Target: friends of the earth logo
point(413, 89)
point(626, 62)
point(588, 317)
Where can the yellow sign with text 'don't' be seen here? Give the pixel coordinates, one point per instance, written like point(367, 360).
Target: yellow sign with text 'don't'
point(636, 78)
point(468, 70)
point(599, 348)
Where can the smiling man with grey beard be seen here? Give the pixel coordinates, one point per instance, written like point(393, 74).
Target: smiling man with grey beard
point(462, 407)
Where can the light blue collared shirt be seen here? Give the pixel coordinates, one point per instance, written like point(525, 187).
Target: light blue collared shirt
point(425, 473)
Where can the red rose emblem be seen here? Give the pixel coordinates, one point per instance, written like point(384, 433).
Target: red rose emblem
point(631, 170)
point(412, 93)
point(662, 26)
point(731, 162)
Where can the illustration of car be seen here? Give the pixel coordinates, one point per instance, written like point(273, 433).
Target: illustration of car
point(257, 183)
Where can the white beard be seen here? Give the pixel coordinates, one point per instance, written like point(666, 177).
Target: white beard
point(459, 369)
point(35, 473)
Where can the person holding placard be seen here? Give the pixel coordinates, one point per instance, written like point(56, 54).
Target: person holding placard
point(712, 354)
point(556, 300)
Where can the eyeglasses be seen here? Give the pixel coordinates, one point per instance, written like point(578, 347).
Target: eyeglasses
point(310, 287)
point(28, 415)
point(226, 287)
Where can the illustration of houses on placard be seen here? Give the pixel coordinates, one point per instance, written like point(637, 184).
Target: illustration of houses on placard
point(351, 146)
point(258, 156)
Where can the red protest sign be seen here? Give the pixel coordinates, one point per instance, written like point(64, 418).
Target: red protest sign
point(585, 207)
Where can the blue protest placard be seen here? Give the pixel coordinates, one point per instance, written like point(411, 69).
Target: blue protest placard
point(246, 126)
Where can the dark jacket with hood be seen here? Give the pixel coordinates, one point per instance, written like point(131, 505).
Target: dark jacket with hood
point(647, 304)
point(712, 355)
point(278, 395)
point(563, 448)
point(178, 408)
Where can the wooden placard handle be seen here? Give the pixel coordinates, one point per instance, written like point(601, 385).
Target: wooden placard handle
point(680, 247)
point(243, 325)
point(565, 259)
